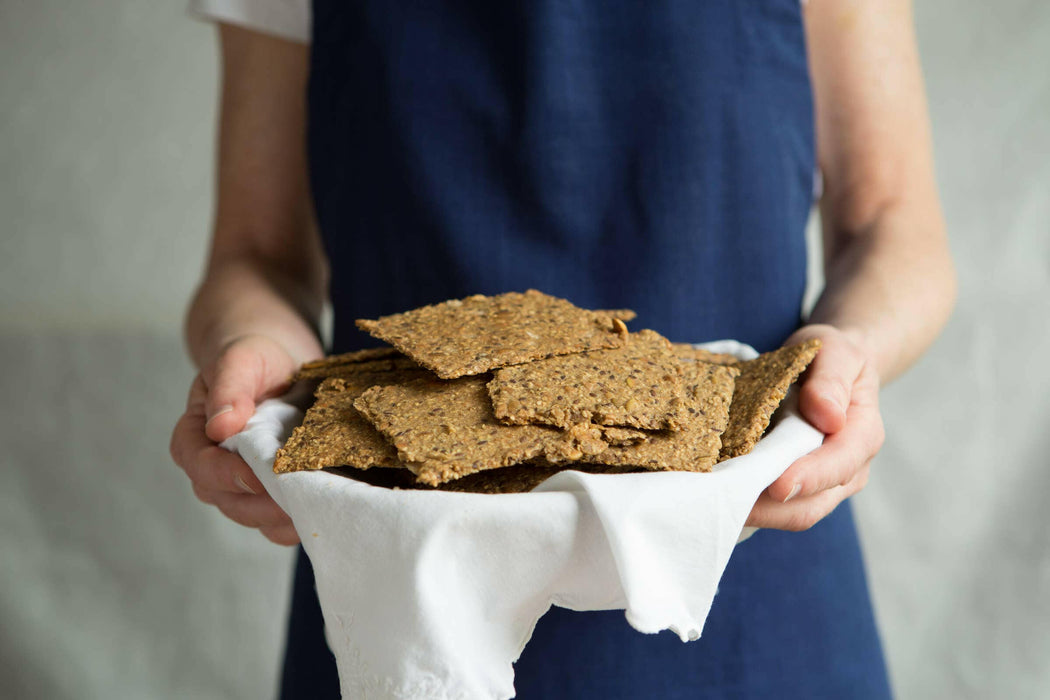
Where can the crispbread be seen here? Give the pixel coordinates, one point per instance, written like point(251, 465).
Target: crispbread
point(520, 478)
point(446, 429)
point(685, 351)
point(761, 386)
point(637, 385)
point(333, 433)
point(474, 335)
point(387, 361)
point(351, 357)
point(709, 388)
point(517, 478)
point(590, 394)
point(623, 436)
point(687, 451)
point(589, 439)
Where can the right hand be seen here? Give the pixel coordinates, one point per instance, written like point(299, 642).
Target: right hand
point(222, 399)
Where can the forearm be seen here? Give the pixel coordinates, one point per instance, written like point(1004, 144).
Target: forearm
point(890, 286)
point(244, 296)
point(267, 273)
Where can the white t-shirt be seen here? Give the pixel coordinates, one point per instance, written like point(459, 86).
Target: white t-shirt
point(287, 19)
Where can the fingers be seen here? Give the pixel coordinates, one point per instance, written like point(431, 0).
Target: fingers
point(223, 479)
point(233, 383)
point(250, 511)
point(248, 369)
point(804, 512)
point(260, 512)
point(205, 463)
point(220, 402)
point(841, 455)
point(283, 535)
point(826, 391)
point(840, 396)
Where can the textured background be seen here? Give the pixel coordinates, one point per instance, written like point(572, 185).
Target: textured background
point(116, 583)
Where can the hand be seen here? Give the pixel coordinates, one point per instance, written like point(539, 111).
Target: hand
point(839, 395)
point(222, 399)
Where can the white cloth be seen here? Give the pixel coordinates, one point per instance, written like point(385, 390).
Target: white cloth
point(434, 594)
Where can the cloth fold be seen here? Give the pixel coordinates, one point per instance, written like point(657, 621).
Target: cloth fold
point(435, 594)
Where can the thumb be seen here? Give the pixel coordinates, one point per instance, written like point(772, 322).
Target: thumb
point(248, 369)
point(827, 388)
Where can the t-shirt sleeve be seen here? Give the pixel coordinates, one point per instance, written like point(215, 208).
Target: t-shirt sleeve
point(287, 19)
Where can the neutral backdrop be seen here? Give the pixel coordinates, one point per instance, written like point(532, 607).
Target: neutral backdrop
point(116, 583)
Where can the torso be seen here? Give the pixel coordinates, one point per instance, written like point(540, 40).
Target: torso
point(618, 155)
point(655, 156)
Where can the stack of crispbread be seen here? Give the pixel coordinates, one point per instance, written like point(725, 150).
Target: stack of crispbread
point(495, 394)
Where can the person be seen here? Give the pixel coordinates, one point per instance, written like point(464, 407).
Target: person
point(660, 157)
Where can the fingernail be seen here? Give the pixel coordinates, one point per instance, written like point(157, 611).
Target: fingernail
point(219, 411)
point(243, 485)
point(794, 492)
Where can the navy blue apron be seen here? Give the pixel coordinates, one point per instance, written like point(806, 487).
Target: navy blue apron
point(657, 156)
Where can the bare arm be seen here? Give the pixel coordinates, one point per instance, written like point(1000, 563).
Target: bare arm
point(890, 279)
point(890, 283)
point(266, 271)
point(255, 315)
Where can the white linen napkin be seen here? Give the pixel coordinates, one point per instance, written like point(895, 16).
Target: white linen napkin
point(434, 594)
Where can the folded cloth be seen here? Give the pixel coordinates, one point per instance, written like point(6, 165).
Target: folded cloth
point(434, 594)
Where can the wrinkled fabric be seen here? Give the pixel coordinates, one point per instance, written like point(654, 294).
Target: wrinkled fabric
point(432, 595)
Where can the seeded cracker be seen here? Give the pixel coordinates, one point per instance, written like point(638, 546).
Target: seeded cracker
point(474, 335)
point(351, 357)
point(334, 434)
point(638, 385)
point(447, 430)
point(586, 440)
point(709, 388)
point(518, 478)
point(685, 351)
point(623, 436)
point(370, 360)
point(762, 385)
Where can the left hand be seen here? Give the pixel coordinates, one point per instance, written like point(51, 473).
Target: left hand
point(839, 395)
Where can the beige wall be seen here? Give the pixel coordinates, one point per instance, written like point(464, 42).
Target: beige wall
point(955, 524)
point(105, 150)
point(115, 583)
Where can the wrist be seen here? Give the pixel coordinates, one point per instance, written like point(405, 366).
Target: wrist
point(232, 305)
